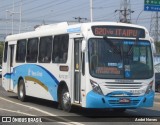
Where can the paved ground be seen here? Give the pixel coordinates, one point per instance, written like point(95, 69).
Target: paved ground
point(11, 106)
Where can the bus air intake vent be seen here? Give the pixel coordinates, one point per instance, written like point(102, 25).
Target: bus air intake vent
point(123, 86)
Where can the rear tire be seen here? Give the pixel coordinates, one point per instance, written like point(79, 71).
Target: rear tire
point(21, 91)
point(65, 100)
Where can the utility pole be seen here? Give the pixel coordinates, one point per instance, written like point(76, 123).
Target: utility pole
point(6, 23)
point(125, 11)
point(155, 26)
point(12, 12)
point(20, 17)
point(79, 19)
point(91, 10)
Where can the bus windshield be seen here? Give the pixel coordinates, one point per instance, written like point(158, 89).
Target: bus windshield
point(117, 58)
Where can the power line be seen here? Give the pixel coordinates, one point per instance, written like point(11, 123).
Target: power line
point(60, 13)
point(50, 5)
point(9, 6)
point(69, 10)
point(42, 5)
point(49, 14)
point(25, 20)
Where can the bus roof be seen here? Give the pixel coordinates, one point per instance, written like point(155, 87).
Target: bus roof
point(64, 27)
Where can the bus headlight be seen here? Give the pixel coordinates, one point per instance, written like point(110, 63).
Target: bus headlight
point(96, 87)
point(149, 88)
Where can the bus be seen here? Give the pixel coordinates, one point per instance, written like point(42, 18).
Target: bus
point(102, 65)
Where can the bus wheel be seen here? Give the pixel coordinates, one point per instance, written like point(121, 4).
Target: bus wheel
point(21, 91)
point(65, 100)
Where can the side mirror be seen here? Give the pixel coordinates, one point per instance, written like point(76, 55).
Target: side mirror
point(83, 45)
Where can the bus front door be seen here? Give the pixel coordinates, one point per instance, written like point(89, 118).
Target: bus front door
point(77, 70)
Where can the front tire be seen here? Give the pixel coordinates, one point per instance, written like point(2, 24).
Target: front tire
point(21, 91)
point(65, 100)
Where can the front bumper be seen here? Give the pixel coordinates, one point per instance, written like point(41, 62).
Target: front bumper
point(94, 100)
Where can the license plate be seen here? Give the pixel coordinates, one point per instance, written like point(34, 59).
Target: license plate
point(124, 100)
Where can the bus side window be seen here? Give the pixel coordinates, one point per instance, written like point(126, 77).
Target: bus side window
point(60, 49)
point(45, 49)
point(21, 51)
point(5, 52)
point(32, 50)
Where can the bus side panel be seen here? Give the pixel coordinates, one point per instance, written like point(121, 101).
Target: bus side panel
point(36, 90)
point(39, 81)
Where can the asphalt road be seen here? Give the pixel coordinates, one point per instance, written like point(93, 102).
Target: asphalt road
point(47, 110)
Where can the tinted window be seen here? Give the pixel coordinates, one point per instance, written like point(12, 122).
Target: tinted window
point(45, 49)
point(5, 52)
point(21, 51)
point(60, 48)
point(32, 50)
point(115, 58)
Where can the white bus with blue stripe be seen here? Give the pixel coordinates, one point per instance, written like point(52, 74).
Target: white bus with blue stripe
point(93, 65)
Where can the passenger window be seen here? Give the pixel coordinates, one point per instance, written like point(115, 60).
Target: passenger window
point(60, 49)
point(21, 51)
point(45, 49)
point(5, 52)
point(32, 50)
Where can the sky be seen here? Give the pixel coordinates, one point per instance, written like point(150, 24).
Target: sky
point(38, 12)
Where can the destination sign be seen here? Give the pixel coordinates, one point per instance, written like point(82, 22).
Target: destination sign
point(118, 31)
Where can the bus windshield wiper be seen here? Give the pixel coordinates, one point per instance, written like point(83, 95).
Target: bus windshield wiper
point(136, 41)
point(110, 43)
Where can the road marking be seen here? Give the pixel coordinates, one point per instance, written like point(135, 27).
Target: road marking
point(22, 113)
point(45, 112)
point(16, 112)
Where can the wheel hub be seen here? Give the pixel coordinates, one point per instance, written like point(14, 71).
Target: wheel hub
point(66, 99)
point(21, 91)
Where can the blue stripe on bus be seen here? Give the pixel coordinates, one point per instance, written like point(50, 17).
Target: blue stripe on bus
point(94, 100)
point(37, 72)
point(74, 30)
point(50, 74)
point(7, 75)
